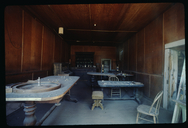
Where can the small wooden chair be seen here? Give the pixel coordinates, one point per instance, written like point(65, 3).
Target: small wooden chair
point(115, 90)
point(150, 110)
point(97, 96)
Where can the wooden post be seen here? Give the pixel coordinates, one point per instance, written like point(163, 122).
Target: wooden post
point(165, 84)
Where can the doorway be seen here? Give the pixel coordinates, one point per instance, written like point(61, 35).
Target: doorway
point(173, 63)
point(105, 65)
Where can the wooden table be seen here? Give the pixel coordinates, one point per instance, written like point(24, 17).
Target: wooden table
point(100, 74)
point(53, 96)
point(122, 84)
point(93, 74)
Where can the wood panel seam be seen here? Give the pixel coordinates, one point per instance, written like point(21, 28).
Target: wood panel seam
point(54, 49)
point(144, 50)
point(22, 40)
point(42, 47)
point(163, 48)
point(149, 85)
point(136, 50)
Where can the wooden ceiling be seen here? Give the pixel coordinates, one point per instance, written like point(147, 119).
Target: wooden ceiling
point(115, 23)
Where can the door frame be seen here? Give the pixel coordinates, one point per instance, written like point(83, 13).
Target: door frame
point(169, 52)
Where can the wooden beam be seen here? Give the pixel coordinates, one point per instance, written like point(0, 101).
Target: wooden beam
point(99, 30)
point(79, 41)
point(175, 44)
point(165, 82)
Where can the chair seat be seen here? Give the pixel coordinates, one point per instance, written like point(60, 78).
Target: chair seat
point(145, 110)
point(97, 95)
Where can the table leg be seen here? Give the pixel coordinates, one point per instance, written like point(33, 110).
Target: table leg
point(92, 81)
point(133, 93)
point(137, 96)
point(103, 93)
point(68, 98)
point(30, 118)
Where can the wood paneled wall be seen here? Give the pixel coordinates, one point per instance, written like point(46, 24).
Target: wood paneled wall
point(144, 52)
point(100, 52)
point(31, 48)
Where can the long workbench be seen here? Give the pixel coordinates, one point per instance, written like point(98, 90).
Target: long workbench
point(122, 84)
point(52, 96)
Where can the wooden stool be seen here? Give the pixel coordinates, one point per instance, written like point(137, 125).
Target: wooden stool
point(97, 96)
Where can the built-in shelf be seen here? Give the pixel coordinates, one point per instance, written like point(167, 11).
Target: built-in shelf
point(84, 59)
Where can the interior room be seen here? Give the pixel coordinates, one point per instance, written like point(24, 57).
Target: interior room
point(94, 64)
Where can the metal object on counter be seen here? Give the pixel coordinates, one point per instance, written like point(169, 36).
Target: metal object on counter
point(35, 87)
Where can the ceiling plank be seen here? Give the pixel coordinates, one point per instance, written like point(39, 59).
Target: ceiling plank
point(139, 15)
point(45, 14)
point(75, 16)
point(107, 16)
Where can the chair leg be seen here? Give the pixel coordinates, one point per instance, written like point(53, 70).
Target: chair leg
point(111, 92)
point(100, 104)
point(157, 119)
point(94, 104)
point(154, 119)
point(137, 118)
point(97, 103)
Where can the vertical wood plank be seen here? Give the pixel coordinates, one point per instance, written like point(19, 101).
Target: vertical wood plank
point(53, 52)
point(36, 41)
point(48, 49)
point(132, 53)
point(27, 42)
point(13, 39)
point(153, 45)
point(174, 23)
point(22, 39)
point(42, 45)
point(149, 85)
point(32, 43)
point(140, 51)
point(136, 52)
point(58, 49)
point(61, 51)
point(144, 70)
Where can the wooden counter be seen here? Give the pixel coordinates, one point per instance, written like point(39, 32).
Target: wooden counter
point(66, 82)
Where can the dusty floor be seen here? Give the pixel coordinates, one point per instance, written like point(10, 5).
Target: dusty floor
point(80, 113)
